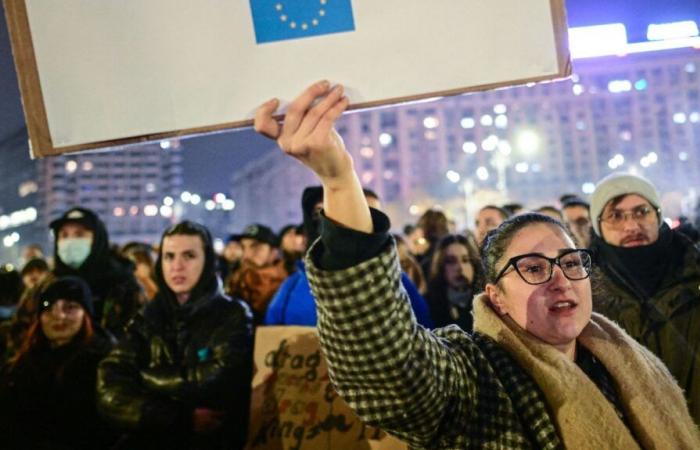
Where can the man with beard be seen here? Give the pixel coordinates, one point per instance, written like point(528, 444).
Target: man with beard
point(292, 245)
point(648, 277)
point(261, 271)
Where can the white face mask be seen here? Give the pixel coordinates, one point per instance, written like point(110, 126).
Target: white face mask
point(74, 251)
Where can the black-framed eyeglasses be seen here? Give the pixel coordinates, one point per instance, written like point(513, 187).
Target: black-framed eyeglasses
point(535, 268)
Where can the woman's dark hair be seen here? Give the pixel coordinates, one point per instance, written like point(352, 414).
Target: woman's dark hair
point(497, 241)
point(437, 265)
point(208, 280)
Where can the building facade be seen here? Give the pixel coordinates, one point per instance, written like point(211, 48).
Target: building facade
point(529, 144)
point(125, 187)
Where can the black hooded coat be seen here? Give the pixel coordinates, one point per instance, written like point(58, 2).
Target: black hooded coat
point(176, 358)
point(116, 293)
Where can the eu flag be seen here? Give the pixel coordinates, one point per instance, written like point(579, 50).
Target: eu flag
point(279, 20)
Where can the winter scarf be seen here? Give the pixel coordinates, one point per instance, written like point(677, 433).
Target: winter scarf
point(653, 403)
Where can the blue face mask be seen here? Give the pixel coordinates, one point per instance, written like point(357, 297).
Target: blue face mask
point(74, 251)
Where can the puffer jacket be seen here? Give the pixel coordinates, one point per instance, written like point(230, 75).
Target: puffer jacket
point(668, 322)
point(174, 359)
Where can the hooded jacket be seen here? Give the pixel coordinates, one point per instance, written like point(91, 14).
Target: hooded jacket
point(116, 293)
point(176, 358)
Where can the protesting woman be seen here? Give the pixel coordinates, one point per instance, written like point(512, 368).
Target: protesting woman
point(540, 369)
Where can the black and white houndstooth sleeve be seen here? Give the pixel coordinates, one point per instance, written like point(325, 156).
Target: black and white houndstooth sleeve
point(395, 374)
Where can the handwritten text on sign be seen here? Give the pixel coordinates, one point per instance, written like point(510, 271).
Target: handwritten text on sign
point(294, 406)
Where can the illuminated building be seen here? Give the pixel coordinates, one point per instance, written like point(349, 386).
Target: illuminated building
point(638, 112)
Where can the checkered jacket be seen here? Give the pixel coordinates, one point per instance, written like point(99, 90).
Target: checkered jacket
point(441, 390)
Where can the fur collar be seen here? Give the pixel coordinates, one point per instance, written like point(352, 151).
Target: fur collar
point(653, 402)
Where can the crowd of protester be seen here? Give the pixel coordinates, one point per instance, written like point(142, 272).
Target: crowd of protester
point(149, 345)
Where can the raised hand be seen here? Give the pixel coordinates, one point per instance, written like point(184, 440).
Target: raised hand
point(308, 135)
point(307, 132)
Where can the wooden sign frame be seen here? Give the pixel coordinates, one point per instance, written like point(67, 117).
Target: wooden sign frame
point(42, 144)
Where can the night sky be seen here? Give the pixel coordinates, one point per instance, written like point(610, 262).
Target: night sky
point(210, 160)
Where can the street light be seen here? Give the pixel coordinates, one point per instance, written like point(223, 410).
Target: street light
point(527, 142)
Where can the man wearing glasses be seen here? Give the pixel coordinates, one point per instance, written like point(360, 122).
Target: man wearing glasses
point(648, 277)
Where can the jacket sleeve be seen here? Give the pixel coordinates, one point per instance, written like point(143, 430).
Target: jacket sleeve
point(122, 398)
point(224, 366)
point(395, 374)
point(275, 311)
point(418, 303)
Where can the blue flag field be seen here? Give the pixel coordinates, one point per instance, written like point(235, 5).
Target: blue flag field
point(280, 20)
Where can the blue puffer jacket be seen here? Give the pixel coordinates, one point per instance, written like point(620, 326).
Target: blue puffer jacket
point(293, 304)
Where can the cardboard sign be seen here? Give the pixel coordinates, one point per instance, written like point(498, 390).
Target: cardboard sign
point(97, 74)
point(294, 406)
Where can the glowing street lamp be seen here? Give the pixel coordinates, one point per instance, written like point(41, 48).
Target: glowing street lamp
point(527, 142)
point(452, 176)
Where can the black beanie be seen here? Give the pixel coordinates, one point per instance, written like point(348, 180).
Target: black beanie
point(67, 288)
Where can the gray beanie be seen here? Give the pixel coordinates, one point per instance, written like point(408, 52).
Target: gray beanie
point(617, 184)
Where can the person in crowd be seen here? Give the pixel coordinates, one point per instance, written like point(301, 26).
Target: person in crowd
point(540, 370)
point(14, 331)
point(292, 245)
point(82, 249)
point(32, 251)
point(513, 208)
point(10, 291)
point(577, 217)
point(294, 304)
point(140, 256)
point(551, 211)
point(232, 254)
point(415, 240)
point(455, 277)
point(434, 225)
point(648, 276)
point(488, 218)
point(262, 269)
point(180, 378)
point(409, 265)
point(33, 272)
point(47, 393)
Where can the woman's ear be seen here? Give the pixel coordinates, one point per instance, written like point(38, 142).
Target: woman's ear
point(495, 296)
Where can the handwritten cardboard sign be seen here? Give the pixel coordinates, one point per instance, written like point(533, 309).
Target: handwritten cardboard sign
point(294, 406)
